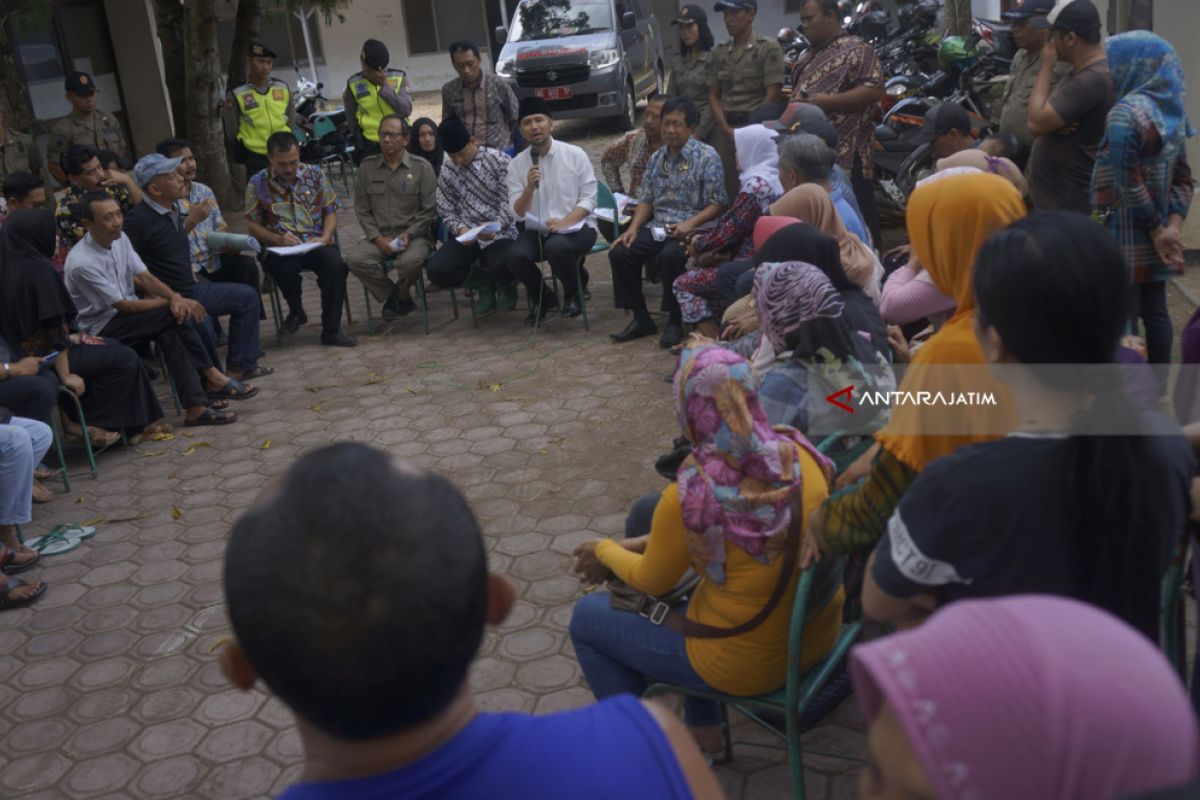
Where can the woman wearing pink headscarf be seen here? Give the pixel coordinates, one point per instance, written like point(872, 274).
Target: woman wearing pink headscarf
point(1028, 696)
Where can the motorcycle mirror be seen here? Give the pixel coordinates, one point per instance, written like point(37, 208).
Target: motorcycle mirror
point(320, 86)
point(501, 34)
point(628, 21)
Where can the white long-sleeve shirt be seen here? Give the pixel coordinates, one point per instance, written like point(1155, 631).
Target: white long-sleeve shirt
point(568, 182)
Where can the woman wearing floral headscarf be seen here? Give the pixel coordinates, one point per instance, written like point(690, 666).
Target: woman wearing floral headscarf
point(728, 517)
point(1142, 185)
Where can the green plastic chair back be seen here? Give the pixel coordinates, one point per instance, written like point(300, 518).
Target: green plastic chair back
point(322, 127)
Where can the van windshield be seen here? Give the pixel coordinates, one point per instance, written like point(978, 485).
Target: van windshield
point(554, 19)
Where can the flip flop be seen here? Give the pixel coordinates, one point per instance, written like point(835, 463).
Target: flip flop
point(55, 543)
point(17, 583)
point(210, 417)
point(234, 390)
point(82, 531)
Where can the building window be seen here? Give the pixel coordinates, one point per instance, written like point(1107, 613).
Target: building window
point(421, 26)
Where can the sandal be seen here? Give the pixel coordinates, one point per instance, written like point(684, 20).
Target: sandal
point(11, 567)
point(41, 494)
point(210, 417)
point(16, 583)
point(233, 390)
point(98, 436)
point(55, 543)
point(259, 371)
point(218, 405)
point(44, 473)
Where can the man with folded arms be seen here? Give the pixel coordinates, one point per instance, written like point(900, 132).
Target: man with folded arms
point(471, 192)
point(560, 190)
point(396, 206)
point(684, 188)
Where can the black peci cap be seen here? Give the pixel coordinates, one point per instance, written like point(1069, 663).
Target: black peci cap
point(533, 105)
point(454, 135)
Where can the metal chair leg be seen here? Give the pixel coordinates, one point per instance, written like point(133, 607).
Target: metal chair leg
point(87, 438)
point(276, 309)
point(370, 316)
point(423, 300)
point(58, 451)
point(579, 290)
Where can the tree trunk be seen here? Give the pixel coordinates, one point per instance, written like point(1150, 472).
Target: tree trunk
point(205, 99)
point(169, 18)
point(13, 103)
point(962, 17)
point(245, 31)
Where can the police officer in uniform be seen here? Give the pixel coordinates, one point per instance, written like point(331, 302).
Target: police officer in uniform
point(84, 125)
point(258, 108)
point(747, 75)
point(373, 94)
point(18, 152)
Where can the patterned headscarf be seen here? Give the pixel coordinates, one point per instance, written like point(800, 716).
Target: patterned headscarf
point(789, 294)
point(736, 485)
point(1146, 74)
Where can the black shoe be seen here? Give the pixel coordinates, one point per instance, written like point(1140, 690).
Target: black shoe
point(636, 329)
point(397, 307)
point(293, 321)
point(538, 316)
point(672, 335)
point(572, 307)
point(668, 464)
point(338, 338)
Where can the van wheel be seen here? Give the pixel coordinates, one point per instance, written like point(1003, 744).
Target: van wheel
point(629, 110)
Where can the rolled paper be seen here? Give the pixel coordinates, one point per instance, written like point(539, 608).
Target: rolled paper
point(219, 240)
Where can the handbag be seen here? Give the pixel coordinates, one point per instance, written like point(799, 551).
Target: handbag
point(661, 611)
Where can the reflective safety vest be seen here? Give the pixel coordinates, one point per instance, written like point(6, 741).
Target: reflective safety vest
point(261, 114)
point(370, 110)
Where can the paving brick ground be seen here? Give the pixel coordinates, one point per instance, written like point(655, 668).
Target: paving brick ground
point(109, 686)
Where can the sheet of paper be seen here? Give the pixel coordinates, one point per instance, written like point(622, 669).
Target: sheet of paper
point(473, 234)
point(606, 214)
point(397, 244)
point(294, 249)
point(532, 223)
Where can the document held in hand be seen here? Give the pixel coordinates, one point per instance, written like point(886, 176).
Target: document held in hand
point(532, 223)
point(294, 249)
point(470, 236)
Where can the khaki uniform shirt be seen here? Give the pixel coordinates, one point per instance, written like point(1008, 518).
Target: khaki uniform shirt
point(389, 202)
point(19, 152)
point(689, 78)
point(744, 73)
point(1014, 115)
point(103, 132)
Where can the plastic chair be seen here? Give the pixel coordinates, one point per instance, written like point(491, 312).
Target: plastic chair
point(791, 701)
point(422, 304)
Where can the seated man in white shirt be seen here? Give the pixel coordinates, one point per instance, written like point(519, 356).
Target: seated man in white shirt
point(559, 189)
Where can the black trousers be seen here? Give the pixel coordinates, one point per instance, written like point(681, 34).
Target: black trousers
point(29, 396)
point(864, 193)
point(363, 148)
point(181, 347)
point(253, 161)
point(627, 263)
point(452, 262)
point(331, 278)
point(562, 250)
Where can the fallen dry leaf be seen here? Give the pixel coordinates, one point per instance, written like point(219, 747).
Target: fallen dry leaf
point(81, 498)
point(152, 455)
point(265, 445)
point(161, 437)
point(315, 389)
point(375, 377)
point(195, 447)
point(92, 521)
point(315, 407)
point(176, 512)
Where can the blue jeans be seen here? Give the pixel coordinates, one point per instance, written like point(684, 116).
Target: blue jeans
point(622, 653)
point(241, 303)
point(23, 442)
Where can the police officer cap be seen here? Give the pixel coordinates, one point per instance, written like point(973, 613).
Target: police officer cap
point(81, 83)
point(375, 54)
point(260, 50)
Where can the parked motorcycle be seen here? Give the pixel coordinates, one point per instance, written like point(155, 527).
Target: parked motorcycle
point(793, 44)
point(327, 127)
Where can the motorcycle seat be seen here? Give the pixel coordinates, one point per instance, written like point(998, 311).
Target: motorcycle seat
point(885, 133)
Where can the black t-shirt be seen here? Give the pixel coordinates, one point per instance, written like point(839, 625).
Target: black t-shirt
point(163, 246)
point(995, 519)
point(1061, 164)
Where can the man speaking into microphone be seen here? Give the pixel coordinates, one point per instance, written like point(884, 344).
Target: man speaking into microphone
point(552, 188)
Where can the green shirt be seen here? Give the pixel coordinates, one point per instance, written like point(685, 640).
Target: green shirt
point(689, 78)
point(389, 202)
point(743, 73)
point(102, 132)
point(19, 152)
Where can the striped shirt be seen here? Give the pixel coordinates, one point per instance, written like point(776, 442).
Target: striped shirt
point(477, 193)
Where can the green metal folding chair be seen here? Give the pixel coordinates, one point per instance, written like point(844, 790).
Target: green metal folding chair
point(1174, 635)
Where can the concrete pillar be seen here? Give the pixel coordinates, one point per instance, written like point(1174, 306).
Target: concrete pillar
point(138, 52)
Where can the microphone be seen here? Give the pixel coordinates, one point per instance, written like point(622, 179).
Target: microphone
point(534, 157)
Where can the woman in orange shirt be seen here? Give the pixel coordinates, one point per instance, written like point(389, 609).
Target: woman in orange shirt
point(728, 518)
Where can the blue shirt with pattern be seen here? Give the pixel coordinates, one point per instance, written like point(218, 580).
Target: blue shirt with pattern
point(203, 260)
point(680, 186)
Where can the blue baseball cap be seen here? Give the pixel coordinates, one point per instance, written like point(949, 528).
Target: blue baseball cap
point(150, 167)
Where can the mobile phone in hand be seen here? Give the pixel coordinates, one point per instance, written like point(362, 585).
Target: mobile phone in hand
point(49, 359)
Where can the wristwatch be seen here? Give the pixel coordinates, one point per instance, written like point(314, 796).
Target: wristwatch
point(7, 371)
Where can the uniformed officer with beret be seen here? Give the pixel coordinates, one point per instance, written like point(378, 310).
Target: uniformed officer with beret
point(258, 108)
point(373, 94)
point(747, 74)
point(84, 125)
